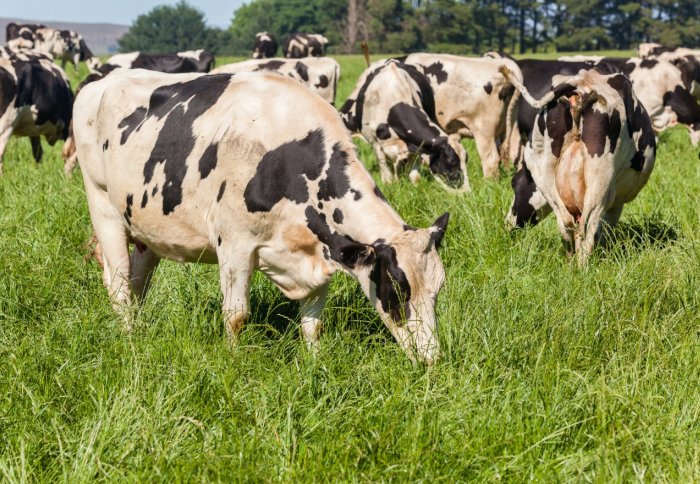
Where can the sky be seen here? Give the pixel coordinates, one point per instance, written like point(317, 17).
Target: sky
point(218, 13)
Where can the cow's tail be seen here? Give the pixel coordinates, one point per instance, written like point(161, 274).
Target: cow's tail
point(535, 103)
point(510, 125)
point(365, 51)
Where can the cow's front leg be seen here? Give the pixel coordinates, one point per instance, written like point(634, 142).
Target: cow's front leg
point(234, 276)
point(488, 152)
point(4, 138)
point(311, 309)
point(385, 172)
point(37, 150)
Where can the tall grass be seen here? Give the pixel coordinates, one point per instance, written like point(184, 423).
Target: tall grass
point(549, 372)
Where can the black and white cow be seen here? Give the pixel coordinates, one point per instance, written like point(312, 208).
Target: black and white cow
point(265, 45)
point(591, 151)
point(687, 60)
point(301, 44)
point(35, 100)
point(393, 107)
point(189, 61)
point(65, 45)
point(318, 74)
point(472, 98)
point(277, 187)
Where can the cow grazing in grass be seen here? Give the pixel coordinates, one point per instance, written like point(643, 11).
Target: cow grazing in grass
point(318, 74)
point(35, 100)
point(250, 171)
point(394, 109)
point(301, 44)
point(472, 98)
point(65, 45)
point(265, 45)
point(189, 61)
point(591, 151)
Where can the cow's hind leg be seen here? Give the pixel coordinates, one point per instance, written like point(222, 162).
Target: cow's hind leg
point(311, 308)
point(4, 138)
point(588, 231)
point(143, 264)
point(37, 150)
point(488, 152)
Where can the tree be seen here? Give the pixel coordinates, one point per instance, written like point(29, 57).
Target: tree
point(169, 29)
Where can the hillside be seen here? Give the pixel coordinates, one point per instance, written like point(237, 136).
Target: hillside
point(100, 37)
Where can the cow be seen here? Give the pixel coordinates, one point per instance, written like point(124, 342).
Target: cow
point(35, 100)
point(189, 61)
point(318, 74)
point(394, 109)
point(265, 45)
point(65, 45)
point(301, 44)
point(276, 187)
point(665, 86)
point(472, 98)
point(687, 60)
point(591, 152)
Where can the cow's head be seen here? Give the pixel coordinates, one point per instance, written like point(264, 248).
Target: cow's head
point(402, 278)
point(448, 162)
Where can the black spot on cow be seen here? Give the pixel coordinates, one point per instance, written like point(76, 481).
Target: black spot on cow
point(302, 70)
point(180, 104)
point(144, 199)
point(615, 128)
point(391, 283)
point(336, 183)
point(8, 88)
point(488, 88)
point(437, 71)
point(682, 102)
point(413, 126)
point(155, 190)
point(132, 122)
point(323, 81)
point(559, 122)
point(383, 131)
point(127, 211)
point(222, 187)
point(105, 145)
point(272, 65)
point(506, 92)
point(596, 126)
point(316, 222)
point(356, 194)
point(338, 216)
point(218, 240)
point(648, 63)
point(379, 194)
point(523, 188)
point(320, 205)
point(284, 171)
point(208, 160)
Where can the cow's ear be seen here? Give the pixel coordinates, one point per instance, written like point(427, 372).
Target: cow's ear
point(356, 254)
point(437, 230)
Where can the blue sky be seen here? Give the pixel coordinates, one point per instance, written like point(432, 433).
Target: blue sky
point(218, 13)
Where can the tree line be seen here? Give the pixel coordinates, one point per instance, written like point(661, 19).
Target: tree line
point(456, 26)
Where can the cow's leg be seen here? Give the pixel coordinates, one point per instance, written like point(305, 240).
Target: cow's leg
point(4, 138)
point(488, 152)
point(587, 232)
point(112, 237)
point(311, 308)
point(234, 276)
point(385, 173)
point(143, 264)
point(37, 150)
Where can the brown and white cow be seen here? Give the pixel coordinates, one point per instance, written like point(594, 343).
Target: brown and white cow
point(592, 151)
point(250, 171)
point(393, 107)
point(35, 100)
point(320, 74)
point(472, 98)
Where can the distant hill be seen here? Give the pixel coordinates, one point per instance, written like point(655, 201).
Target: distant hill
point(101, 38)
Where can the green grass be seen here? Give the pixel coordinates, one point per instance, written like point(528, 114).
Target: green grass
point(549, 372)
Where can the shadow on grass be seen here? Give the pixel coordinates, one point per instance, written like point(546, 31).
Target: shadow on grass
point(649, 232)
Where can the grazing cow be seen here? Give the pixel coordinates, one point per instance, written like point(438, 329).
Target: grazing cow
point(394, 109)
point(65, 45)
point(189, 61)
point(687, 60)
point(318, 74)
point(301, 44)
point(276, 187)
point(591, 152)
point(472, 98)
point(35, 100)
point(265, 45)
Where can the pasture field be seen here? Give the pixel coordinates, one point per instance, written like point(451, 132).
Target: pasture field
point(549, 372)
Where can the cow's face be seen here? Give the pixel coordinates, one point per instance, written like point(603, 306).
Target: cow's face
point(448, 164)
point(403, 278)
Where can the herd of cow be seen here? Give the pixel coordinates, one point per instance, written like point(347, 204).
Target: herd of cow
point(250, 166)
